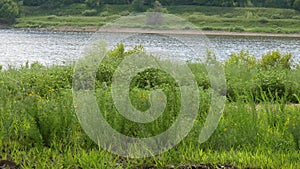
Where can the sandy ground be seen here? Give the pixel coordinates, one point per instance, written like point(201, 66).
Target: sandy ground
point(139, 30)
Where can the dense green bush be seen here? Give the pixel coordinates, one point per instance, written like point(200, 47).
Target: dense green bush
point(263, 20)
point(112, 60)
point(138, 5)
point(269, 79)
point(92, 3)
point(33, 2)
point(9, 10)
point(91, 12)
point(297, 5)
point(275, 59)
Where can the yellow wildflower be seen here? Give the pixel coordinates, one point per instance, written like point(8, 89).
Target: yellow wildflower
point(287, 122)
point(31, 94)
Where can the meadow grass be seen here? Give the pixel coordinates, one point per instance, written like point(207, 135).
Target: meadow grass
point(264, 20)
point(53, 20)
point(259, 127)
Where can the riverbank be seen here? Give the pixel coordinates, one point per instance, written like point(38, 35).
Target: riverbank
point(213, 20)
point(3, 26)
point(94, 29)
point(195, 32)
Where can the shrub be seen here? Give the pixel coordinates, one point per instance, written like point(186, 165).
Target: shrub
point(276, 59)
point(90, 12)
point(9, 10)
point(157, 7)
point(297, 5)
point(51, 17)
point(92, 3)
point(110, 63)
point(207, 28)
point(33, 2)
point(104, 14)
point(125, 13)
point(152, 78)
point(242, 59)
point(263, 20)
point(250, 15)
point(240, 69)
point(237, 29)
point(276, 16)
point(138, 5)
point(268, 79)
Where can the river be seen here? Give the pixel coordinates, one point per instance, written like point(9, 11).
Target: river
point(57, 48)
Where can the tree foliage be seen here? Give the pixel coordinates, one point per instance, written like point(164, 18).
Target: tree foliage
point(33, 2)
point(9, 10)
point(140, 4)
point(93, 3)
point(297, 5)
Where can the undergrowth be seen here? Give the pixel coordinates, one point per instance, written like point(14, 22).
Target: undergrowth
point(259, 128)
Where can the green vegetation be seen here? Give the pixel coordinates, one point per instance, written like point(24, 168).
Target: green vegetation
point(268, 16)
point(259, 129)
point(138, 5)
point(9, 10)
point(269, 20)
point(53, 20)
point(222, 3)
point(297, 5)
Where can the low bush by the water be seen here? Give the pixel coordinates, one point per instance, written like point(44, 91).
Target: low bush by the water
point(259, 128)
point(274, 77)
point(271, 78)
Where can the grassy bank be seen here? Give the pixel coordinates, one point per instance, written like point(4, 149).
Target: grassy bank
point(265, 20)
point(259, 128)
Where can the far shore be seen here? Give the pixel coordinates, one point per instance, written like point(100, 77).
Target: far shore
point(93, 29)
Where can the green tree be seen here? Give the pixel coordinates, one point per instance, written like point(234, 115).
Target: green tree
point(33, 2)
point(200, 2)
point(9, 10)
point(138, 5)
point(157, 7)
point(297, 5)
point(155, 18)
point(243, 3)
point(92, 3)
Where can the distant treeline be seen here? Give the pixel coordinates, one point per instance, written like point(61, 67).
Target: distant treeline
point(10, 9)
point(223, 3)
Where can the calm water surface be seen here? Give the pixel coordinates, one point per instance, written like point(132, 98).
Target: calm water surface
point(48, 48)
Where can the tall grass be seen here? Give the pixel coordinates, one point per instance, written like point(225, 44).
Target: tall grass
point(259, 129)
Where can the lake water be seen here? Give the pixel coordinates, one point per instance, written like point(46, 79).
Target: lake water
point(48, 48)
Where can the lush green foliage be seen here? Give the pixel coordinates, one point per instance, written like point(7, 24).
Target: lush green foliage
point(92, 3)
point(91, 12)
point(33, 2)
point(269, 20)
point(268, 79)
point(259, 128)
point(297, 5)
point(240, 19)
point(9, 10)
point(223, 3)
point(138, 5)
